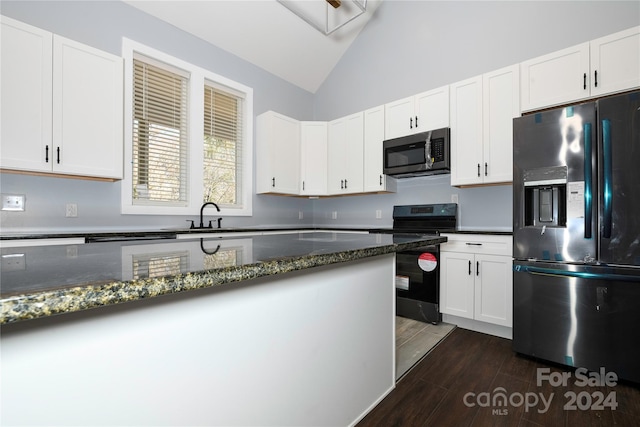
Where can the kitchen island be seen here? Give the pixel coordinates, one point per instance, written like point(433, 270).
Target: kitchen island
point(294, 329)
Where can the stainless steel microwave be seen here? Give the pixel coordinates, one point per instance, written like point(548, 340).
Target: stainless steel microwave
point(425, 153)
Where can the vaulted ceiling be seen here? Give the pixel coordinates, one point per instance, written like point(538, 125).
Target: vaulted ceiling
point(265, 33)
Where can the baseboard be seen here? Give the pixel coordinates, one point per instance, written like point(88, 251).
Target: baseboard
point(475, 325)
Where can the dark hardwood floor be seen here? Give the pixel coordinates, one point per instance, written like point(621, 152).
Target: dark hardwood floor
point(433, 392)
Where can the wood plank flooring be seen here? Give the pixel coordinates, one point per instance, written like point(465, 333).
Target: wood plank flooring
point(415, 339)
point(433, 392)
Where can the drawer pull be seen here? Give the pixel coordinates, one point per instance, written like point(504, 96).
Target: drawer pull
point(474, 244)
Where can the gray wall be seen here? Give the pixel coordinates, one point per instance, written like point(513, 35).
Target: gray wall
point(413, 46)
point(408, 47)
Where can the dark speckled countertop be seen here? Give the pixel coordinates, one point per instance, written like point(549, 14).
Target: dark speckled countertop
point(40, 281)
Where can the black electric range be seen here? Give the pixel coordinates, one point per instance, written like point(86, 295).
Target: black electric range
point(418, 270)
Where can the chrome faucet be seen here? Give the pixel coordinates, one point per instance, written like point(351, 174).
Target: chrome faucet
point(202, 213)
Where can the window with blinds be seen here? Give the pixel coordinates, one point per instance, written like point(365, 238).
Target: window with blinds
point(222, 163)
point(160, 135)
point(188, 139)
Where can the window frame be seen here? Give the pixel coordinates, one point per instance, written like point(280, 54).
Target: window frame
point(198, 77)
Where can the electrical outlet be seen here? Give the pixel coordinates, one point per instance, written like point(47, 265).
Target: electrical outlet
point(454, 198)
point(14, 262)
point(72, 251)
point(13, 202)
point(334, 215)
point(378, 214)
point(72, 210)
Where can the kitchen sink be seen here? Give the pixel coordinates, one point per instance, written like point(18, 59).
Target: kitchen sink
point(127, 238)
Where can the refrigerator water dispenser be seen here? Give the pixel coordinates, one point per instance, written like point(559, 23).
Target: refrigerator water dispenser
point(545, 197)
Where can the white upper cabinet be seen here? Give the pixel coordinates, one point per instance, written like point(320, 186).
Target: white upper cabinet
point(314, 158)
point(374, 179)
point(482, 112)
point(556, 78)
point(277, 154)
point(419, 113)
point(346, 155)
point(500, 105)
point(61, 105)
point(87, 110)
point(27, 89)
point(615, 62)
point(466, 132)
point(602, 66)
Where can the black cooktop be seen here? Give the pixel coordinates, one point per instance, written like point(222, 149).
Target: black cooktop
point(432, 219)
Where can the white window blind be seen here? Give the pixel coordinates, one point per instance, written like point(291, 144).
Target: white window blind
point(160, 135)
point(222, 161)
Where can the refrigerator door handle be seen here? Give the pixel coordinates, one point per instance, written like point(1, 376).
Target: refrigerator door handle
point(588, 177)
point(607, 177)
point(577, 274)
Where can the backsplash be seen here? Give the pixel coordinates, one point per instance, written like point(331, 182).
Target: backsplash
point(479, 208)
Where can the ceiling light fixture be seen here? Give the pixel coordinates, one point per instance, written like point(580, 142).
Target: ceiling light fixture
point(326, 16)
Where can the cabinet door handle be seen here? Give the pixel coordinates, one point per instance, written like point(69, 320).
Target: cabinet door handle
point(58, 152)
point(410, 122)
point(477, 268)
point(485, 168)
point(380, 179)
point(345, 184)
point(273, 181)
point(46, 154)
point(342, 184)
point(595, 78)
point(302, 185)
point(584, 81)
point(478, 170)
point(416, 122)
point(469, 268)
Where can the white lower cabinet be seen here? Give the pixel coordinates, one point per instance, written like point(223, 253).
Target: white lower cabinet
point(476, 279)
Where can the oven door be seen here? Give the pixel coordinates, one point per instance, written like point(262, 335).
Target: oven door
point(417, 284)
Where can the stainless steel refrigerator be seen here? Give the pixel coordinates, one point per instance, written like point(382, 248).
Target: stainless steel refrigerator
point(576, 225)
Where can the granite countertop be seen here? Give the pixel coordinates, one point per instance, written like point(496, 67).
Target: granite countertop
point(41, 281)
point(171, 233)
point(485, 232)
